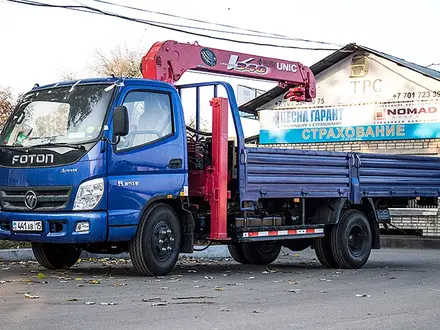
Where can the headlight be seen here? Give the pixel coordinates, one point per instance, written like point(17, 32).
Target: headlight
point(89, 194)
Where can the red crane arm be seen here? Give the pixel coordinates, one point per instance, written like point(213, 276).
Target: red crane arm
point(167, 61)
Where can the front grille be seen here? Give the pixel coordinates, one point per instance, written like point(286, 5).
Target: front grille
point(48, 198)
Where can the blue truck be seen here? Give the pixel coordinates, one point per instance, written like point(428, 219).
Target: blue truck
point(108, 165)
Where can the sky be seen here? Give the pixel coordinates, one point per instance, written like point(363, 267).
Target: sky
point(39, 45)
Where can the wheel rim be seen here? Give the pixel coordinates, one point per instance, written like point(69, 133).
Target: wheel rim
point(356, 240)
point(163, 241)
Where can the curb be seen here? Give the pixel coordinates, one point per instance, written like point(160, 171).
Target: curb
point(409, 242)
point(214, 252)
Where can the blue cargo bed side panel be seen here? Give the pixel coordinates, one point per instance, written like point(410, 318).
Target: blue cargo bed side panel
point(399, 175)
point(288, 173)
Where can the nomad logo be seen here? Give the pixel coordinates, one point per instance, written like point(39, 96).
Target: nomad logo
point(30, 200)
point(397, 112)
point(379, 115)
point(32, 159)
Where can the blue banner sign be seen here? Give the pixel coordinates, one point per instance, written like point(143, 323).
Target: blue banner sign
point(353, 123)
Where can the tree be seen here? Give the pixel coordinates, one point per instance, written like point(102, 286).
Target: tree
point(6, 104)
point(204, 124)
point(120, 62)
point(68, 75)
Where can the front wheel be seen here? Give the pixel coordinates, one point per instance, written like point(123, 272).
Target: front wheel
point(261, 253)
point(56, 256)
point(236, 252)
point(155, 247)
point(351, 240)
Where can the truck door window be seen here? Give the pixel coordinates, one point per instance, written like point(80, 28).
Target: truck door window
point(150, 118)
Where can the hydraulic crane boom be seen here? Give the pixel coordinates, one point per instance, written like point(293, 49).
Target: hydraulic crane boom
point(168, 60)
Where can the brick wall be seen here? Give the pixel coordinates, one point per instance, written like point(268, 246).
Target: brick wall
point(425, 219)
point(410, 147)
point(422, 219)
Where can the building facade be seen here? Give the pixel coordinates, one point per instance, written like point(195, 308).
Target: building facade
point(367, 101)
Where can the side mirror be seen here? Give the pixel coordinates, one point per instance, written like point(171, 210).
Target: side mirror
point(120, 121)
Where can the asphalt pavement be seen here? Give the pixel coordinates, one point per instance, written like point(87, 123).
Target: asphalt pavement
point(397, 289)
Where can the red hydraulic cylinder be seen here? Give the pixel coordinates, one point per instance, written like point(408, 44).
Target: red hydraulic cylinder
point(218, 197)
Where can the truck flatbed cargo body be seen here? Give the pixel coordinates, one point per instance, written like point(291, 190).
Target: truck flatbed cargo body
point(398, 175)
point(288, 173)
point(110, 165)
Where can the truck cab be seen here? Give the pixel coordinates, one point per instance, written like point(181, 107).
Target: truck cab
point(66, 178)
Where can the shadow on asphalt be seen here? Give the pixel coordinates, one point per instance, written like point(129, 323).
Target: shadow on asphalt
point(217, 268)
point(304, 264)
point(210, 267)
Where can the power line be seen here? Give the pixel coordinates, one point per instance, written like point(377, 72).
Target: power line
point(259, 33)
point(432, 64)
point(89, 9)
point(223, 31)
point(214, 30)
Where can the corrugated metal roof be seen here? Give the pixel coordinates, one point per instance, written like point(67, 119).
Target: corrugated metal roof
point(330, 60)
point(418, 68)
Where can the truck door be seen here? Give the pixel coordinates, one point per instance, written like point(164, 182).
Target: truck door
point(149, 163)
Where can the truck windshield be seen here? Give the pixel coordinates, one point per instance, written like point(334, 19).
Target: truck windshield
point(62, 115)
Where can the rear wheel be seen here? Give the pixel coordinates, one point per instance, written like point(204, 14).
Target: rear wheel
point(55, 256)
point(323, 251)
point(261, 253)
point(236, 251)
point(155, 247)
point(351, 240)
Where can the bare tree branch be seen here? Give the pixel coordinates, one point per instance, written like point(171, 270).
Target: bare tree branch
point(6, 104)
point(68, 76)
point(204, 124)
point(120, 62)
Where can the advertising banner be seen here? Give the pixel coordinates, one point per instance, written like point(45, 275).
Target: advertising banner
point(361, 98)
point(391, 121)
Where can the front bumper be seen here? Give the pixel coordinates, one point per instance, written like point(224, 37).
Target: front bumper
point(57, 227)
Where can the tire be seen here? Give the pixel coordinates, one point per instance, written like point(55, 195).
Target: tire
point(351, 240)
point(159, 229)
point(56, 256)
point(323, 251)
point(261, 253)
point(236, 251)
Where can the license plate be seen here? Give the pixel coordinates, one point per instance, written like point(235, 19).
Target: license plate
point(27, 225)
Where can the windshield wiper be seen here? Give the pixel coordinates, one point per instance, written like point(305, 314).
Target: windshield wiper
point(60, 144)
point(14, 148)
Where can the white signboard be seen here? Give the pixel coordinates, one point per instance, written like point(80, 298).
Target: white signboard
point(246, 94)
point(365, 98)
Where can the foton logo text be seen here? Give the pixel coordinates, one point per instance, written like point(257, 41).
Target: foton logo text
point(32, 159)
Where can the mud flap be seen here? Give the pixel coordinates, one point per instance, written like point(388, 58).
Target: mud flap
point(375, 233)
point(187, 229)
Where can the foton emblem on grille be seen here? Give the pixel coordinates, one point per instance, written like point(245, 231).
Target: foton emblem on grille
point(30, 200)
point(33, 159)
